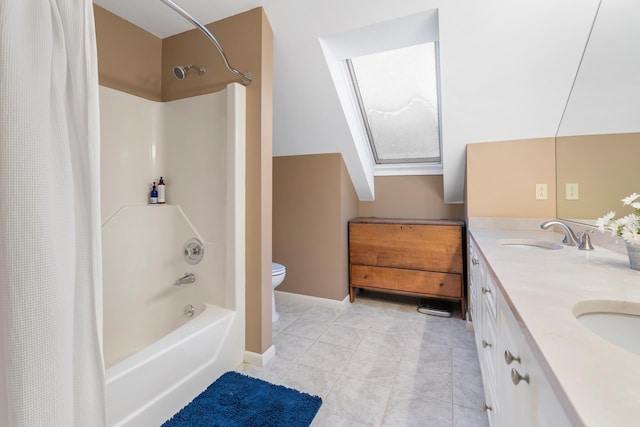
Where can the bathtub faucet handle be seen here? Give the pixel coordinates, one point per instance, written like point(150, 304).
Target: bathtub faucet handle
point(187, 278)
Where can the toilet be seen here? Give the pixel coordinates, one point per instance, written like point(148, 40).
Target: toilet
point(277, 276)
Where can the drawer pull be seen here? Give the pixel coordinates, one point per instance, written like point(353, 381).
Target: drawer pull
point(486, 407)
point(366, 276)
point(475, 261)
point(516, 377)
point(509, 358)
point(486, 344)
point(486, 290)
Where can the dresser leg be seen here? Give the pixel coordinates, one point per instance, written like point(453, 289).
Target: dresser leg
point(352, 294)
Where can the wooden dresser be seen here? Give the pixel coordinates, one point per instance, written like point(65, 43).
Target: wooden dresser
point(412, 257)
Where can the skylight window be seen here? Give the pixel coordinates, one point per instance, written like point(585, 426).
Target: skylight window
point(398, 95)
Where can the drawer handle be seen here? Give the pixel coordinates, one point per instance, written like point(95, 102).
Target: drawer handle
point(486, 290)
point(516, 377)
point(510, 358)
point(366, 276)
point(486, 344)
point(475, 261)
point(486, 407)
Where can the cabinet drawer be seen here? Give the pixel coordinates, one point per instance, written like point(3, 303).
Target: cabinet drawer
point(410, 246)
point(396, 279)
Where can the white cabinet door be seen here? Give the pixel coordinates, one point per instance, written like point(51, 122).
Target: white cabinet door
point(547, 412)
point(513, 372)
point(525, 396)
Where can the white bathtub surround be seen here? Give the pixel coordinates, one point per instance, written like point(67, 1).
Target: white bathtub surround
point(50, 264)
point(141, 267)
point(159, 360)
point(546, 289)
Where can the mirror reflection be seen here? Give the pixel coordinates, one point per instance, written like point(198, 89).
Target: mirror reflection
point(598, 140)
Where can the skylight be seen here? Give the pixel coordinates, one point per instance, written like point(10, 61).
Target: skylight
point(398, 95)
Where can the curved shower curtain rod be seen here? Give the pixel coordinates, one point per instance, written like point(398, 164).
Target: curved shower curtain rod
point(246, 78)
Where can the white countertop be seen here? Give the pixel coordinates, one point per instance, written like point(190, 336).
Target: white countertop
point(600, 381)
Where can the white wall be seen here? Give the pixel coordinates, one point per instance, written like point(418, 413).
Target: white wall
point(506, 68)
point(606, 93)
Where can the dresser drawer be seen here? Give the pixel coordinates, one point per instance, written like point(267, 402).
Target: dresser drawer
point(408, 246)
point(401, 280)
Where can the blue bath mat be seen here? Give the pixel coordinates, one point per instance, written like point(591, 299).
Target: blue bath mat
point(238, 400)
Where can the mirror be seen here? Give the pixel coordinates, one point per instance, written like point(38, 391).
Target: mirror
point(598, 139)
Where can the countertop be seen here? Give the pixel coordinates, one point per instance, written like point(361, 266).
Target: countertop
point(597, 382)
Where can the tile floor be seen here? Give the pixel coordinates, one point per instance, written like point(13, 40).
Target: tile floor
point(378, 362)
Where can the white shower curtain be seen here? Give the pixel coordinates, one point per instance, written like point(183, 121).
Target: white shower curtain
point(51, 367)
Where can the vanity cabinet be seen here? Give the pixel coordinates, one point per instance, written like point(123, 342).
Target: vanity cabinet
point(517, 392)
point(411, 257)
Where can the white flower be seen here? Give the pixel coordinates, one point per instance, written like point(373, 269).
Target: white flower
point(627, 227)
point(628, 220)
point(630, 235)
point(602, 222)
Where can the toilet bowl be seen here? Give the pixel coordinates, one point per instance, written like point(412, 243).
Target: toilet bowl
point(277, 276)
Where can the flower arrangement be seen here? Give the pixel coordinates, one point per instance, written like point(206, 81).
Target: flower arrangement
point(627, 227)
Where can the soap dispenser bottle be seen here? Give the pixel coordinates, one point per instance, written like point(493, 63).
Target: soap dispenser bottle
point(153, 196)
point(161, 194)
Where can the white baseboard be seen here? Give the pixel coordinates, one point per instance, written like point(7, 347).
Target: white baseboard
point(258, 359)
point(307, 299)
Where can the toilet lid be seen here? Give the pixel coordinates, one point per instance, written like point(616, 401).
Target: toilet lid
point(277, 268)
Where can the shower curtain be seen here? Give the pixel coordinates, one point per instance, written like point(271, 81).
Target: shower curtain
point(51, 367)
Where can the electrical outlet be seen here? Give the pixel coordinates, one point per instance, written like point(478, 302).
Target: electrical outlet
point(572, 192)
point(541, 191)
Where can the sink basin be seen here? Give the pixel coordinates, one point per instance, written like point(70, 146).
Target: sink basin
point(621, 329)
point(531, 243)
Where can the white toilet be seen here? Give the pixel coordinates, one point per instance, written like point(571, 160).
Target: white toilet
point(277, 276)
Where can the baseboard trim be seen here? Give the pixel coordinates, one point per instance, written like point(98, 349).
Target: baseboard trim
point(258, 359)
point(307, 299)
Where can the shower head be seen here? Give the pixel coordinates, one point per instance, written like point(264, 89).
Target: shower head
point(245, 78)
point(180, 72)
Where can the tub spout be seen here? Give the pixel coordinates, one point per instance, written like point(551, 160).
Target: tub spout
point(187, 278)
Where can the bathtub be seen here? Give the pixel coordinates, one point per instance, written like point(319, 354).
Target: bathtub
point(150, 386)
point(156, 360)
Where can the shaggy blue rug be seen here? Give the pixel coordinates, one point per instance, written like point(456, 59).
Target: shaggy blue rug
point(238, 400)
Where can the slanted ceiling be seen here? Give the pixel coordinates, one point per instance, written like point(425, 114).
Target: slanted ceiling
point(506, 68)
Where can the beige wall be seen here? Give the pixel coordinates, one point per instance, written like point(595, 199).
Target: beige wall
point(136, 62)
point(603, 166)
point(413, 197)
point(129, 58)
point(501, 178)
point(313, 199)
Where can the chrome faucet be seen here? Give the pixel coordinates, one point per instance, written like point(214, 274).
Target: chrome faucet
point(570, 237)
point(187, 278)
